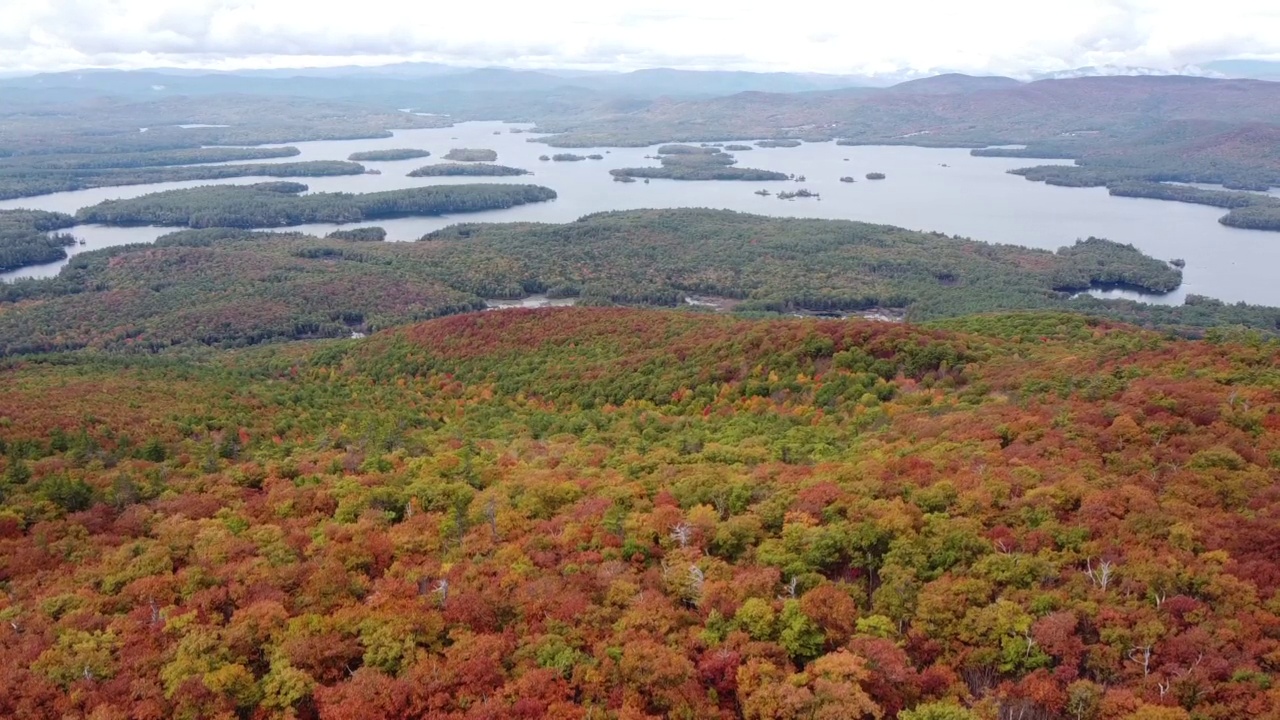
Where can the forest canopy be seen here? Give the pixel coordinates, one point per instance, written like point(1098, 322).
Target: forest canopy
point(584, 513)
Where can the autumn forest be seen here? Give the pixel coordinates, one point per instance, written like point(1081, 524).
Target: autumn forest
point(612, 513)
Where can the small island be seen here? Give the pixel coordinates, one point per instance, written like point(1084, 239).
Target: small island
point(362, 234)
point(847, 179)
point(623, 179)
point(778, 143)
point(388, 155)
point(801, 193)
point(544, 158)
point(686, 162)
point(567, 157)
point(738, 148)
point(875, 176)
point(1178, 263)
point(595, 156)
point(468, 170)
point(472, 155)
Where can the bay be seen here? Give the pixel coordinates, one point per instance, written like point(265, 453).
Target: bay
point(945, 190)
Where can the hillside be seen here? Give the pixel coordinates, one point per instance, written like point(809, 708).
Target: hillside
point(588, 513)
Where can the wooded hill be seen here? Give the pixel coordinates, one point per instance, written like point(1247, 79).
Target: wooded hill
point(604, 513)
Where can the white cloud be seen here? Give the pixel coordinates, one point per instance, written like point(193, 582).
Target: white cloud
point(1002, 36)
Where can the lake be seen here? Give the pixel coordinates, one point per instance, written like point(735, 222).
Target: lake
point(947, 190)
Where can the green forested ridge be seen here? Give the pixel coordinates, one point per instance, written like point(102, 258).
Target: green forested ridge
point(84, 125)
point(590, 514)
point(141, 296)
point(25, 237)
point(467, 169)
point(1252, 210)
point(16, 182)
point(78, 142)
point(249, 206)
point(386, 155)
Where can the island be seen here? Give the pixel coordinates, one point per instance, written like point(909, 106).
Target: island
point(778, 143)
point(687, 162)
point(801, 193)
point(875, 176)
point(567, 157)
point(847, 179)
point(471, 155)
point(252, 206)
point(361, 234)
point(738, 148)
point(388, 155)
point(467, 169)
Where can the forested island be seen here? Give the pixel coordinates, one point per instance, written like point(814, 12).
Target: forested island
point(23, 182)
point(778, 143)
point(26, 237)
point(567, 157)
point(388, 155)
point(250, 206)
point(361, 234)
point(686, 162)
point(467, 169)
point(471, 155)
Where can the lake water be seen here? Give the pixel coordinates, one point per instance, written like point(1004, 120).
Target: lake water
point(947, 190)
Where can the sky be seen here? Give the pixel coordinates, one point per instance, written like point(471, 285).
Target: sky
point(1012, 37)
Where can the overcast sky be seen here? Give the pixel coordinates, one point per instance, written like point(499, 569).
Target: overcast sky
point(837, 36)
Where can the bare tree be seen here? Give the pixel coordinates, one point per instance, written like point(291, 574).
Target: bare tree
point(1102, 575)
point(491, 514)
point(696, 580)
point(682, 533)
point(1142, 656)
